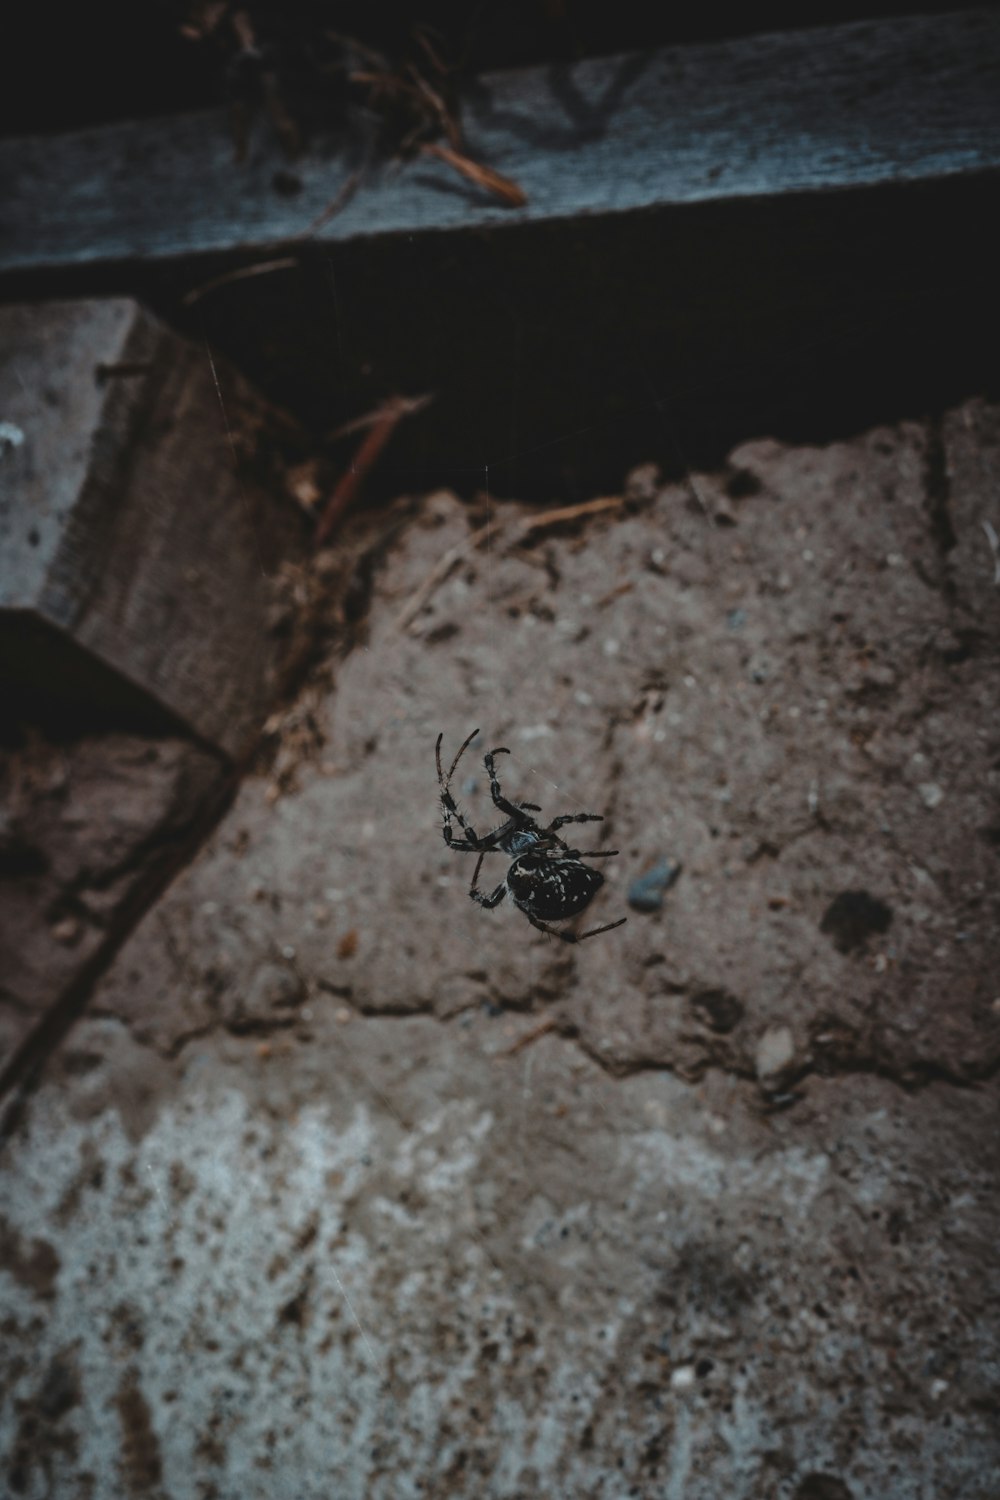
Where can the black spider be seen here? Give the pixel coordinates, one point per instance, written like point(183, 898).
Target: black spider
point(546, 879)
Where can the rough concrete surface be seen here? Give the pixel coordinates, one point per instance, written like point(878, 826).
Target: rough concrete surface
point(346, 1187)
point(89, 823)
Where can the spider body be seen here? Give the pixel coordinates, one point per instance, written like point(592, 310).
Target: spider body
point(547, 880)
point(548, 886)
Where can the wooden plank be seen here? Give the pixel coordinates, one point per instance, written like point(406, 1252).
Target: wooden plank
point(790, 233)
point(836, 107)
point(139, 564)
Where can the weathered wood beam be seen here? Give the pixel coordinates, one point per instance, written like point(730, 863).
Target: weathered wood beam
point(836, 107)
point(717, 239)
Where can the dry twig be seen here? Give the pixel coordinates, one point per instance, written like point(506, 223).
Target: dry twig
point(336, 205)
point(549, 1024)
point(437, 576)
point(485, 177)
point(568, 513)
point(262, 268)
point(383, 424)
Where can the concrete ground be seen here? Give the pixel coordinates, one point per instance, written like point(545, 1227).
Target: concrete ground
point(344, 1187)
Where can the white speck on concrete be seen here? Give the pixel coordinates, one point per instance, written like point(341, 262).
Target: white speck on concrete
point(775, 1052)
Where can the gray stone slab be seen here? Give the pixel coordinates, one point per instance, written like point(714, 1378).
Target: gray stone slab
point(136, 554)
point(345, 1186)
point(386, 1261)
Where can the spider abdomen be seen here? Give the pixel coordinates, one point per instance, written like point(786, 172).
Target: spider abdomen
point(552, 888)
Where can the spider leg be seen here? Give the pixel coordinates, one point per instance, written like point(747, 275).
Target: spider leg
point(461, 751)
point(571, 937)
point(510, 808)
point(596, 931)
point(488, 901)
point(565, 818)
point(472, 843)
point(593, 853)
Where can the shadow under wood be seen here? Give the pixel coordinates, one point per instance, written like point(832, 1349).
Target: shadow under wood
point(561, 354)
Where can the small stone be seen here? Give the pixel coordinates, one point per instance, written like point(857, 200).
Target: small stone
point(642, 484)
point(647, 891)
point(67, 931)
point(760, 669)
point(11, 437)
point(880, 676)
point(302, 484)
point(931, 794)
point(272, 988)
point(775, 1053)
point(683, 1378)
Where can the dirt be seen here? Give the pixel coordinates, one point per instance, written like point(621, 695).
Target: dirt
point(349, 1186)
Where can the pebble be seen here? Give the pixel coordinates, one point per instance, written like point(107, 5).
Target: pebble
point(930, 794)
point(683, 1378)
point(647, 891)
point(642, 483)
point(775, 1052)
point(273, 987)
point(67, 931)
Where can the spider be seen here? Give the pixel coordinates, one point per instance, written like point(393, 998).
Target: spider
point(547, 880)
